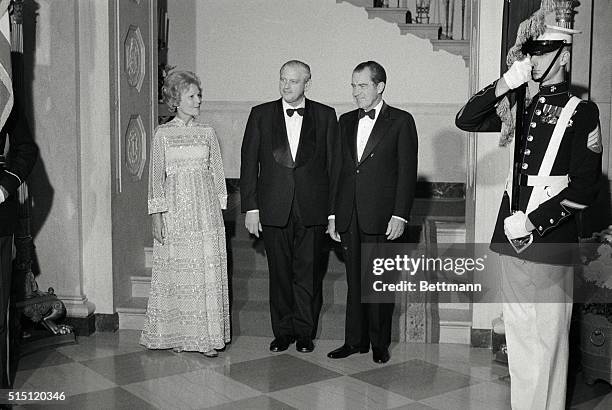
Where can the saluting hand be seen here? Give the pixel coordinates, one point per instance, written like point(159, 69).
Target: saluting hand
point(519, 73)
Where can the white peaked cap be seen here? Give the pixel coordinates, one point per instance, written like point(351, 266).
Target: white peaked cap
point(558, 33)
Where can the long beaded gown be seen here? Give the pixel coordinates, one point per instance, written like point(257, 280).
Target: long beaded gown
point(188, 307)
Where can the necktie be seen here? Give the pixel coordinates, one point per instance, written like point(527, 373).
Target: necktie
point(300, 111)
point(362, 113)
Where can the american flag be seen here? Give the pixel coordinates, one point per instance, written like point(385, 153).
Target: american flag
point(6, 86)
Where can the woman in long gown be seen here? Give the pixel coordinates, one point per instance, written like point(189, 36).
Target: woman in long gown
point(188, 307)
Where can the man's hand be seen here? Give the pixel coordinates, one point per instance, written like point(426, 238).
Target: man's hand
point(331, 230)
point(395, 228)
point(519, 73)
point(251, 222)
point(515, 226)
point(159, 228)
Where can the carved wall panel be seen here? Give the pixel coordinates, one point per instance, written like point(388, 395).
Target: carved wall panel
point(135, 147)
point(134, 57)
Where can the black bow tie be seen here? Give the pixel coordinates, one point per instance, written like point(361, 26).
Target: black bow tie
point(362, 113)
point(300, 111)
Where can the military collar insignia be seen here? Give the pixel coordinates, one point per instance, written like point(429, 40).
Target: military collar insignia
point(552, 89)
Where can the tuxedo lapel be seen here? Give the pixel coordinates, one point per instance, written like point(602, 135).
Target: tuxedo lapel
point(307, 143)
point(351, 135)
point(378, 132)
point(280, 145)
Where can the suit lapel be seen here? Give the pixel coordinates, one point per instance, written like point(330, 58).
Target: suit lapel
point(307, 143)
point(378, 132)
point(281, 150)
point(351, 135)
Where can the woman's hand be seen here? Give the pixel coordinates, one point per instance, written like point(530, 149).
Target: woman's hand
point(159, 229)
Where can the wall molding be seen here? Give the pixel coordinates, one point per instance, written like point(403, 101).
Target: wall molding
point(415, 108)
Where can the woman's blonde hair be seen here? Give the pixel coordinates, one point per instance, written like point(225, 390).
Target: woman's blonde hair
point(175, 84)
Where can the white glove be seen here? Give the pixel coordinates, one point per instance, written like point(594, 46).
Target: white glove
point(514, 226)
point(2, 196)
point(519, 73)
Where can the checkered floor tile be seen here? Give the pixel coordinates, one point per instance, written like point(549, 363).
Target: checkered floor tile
point(112, 371)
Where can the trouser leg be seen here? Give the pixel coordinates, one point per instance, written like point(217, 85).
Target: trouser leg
point(307, 243)
point(356, 322)
point(279, 253)
point(380, 315)
point(537, 314)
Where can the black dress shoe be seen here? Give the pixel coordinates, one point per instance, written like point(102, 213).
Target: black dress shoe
point(380, 355)
point(280, 344)
point(347, 350)
point(304, 345)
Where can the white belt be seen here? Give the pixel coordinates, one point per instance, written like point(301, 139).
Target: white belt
point(547, 180)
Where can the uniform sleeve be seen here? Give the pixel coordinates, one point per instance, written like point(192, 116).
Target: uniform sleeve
point(23, 152)
point(249, 164)
point(478, 114)
point(216, 165)
point(584, 172)
point(157, 175)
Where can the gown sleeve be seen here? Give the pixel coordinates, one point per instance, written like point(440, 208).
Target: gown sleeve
point(216, 166)
point(157, 176)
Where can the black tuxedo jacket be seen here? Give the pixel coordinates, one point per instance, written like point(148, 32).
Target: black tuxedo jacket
point(269, 177)
point(383, 183)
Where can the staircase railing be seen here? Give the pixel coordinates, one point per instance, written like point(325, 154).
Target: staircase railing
point(449, 14)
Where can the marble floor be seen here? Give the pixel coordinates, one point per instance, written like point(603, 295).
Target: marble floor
point(112, 371)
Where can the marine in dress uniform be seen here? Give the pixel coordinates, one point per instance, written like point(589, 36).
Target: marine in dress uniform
point(557, 173)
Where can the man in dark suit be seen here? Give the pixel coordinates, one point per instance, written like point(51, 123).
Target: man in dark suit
point(285, 190)
point(375, 191)
point(14, 168)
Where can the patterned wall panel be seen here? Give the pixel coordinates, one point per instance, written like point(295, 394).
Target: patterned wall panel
point(134, 57)
point(135, 147)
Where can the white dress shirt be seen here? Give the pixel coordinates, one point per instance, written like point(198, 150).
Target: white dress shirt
point(364, 129)
point(294, 126)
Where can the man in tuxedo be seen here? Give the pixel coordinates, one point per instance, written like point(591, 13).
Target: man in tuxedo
point(375, 189)
point(285, 189)
point(14, 169)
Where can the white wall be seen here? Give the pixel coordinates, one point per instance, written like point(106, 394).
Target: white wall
point(237, 48)
point(242, 44)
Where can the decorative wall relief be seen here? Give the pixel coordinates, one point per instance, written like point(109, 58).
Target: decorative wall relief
point(134, 57)
point(135, 147)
